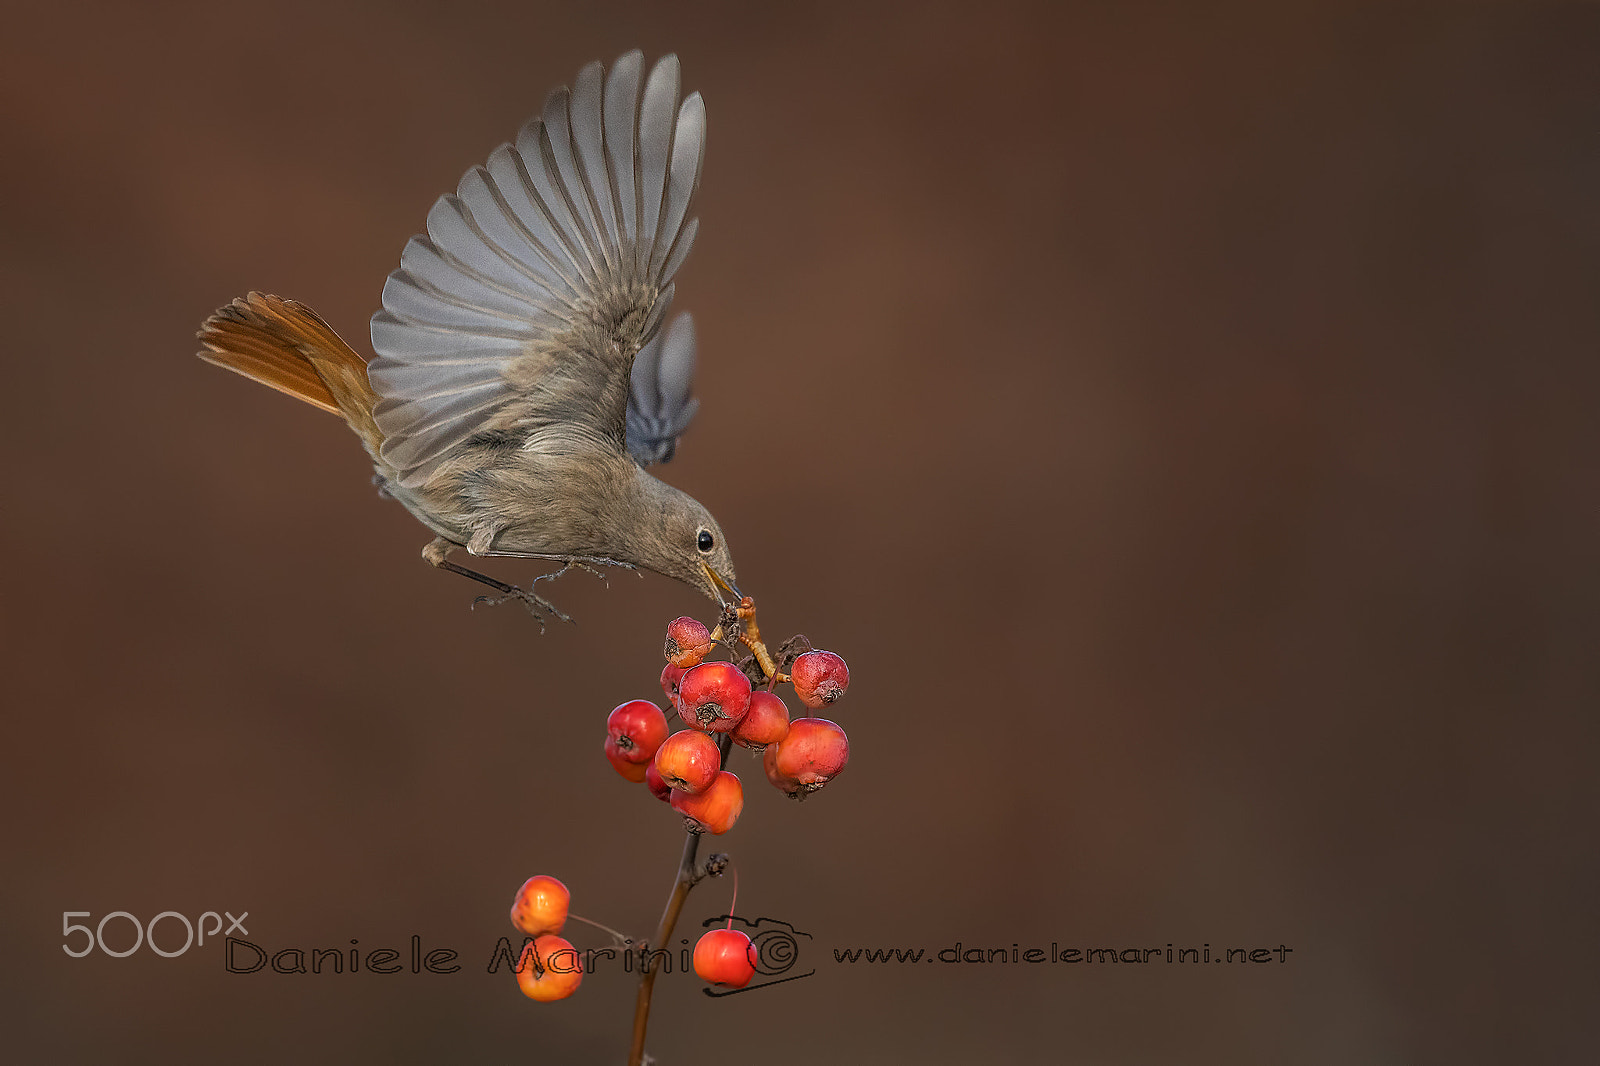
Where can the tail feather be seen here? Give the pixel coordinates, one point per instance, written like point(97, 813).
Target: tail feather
point(286, 346)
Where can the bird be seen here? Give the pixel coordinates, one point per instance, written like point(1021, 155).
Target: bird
point(522, 379)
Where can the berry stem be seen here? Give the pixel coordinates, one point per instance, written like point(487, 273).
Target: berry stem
point(750, 636)
point(621, 937)
point(669, 918)
point(688, 875)
point(748, 633)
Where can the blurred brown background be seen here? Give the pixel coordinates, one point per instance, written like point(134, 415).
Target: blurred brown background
point(1183, 421)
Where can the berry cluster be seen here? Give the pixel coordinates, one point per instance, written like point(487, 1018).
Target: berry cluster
point(719, 705)
point(716, 699)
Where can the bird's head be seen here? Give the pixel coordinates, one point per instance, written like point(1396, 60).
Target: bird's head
point(685, 542)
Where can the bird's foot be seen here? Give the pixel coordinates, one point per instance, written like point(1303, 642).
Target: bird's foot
point(537, 605)
point(593, 565)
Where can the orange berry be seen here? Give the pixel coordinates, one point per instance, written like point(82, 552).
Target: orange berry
point(715, 809)
point(688, 761)
point(765, 722)
point(688, 642)
point(540, 906)
point(549, 970)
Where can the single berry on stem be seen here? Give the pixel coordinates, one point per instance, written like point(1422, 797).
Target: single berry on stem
point(725, 957)
point(819, 677)
point(688, 761)
point(540, 906)
point(716, 808)
point(549, 970)
point(688, 642)
point(713, 697)
point(637, 728)
point(766, 721)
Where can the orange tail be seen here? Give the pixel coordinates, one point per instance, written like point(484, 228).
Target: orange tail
point(286, 346)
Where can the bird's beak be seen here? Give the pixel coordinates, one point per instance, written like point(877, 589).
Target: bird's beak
point(719, 584)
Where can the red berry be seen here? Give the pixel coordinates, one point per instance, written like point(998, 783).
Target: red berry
point(652, 780)
point(814, 753)
point(765, 722)
point(787, 785)
point(632, 771)
point(713, 697)
point(669, 682)
point(715, 809)
point(638, 727)
point(688, 642)
point(540, 906)
point(725, 957)
point(549, 970)
point(688, 761)
point(820, 677)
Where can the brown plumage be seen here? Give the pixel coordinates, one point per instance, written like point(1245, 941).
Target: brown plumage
point(523, 379)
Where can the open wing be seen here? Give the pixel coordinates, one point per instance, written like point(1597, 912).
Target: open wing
point(543, 276)
point(660, 406)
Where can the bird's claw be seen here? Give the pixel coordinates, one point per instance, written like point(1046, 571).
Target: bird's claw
point(537, 606)
point(593, 566)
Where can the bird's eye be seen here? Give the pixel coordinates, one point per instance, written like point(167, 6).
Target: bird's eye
point(706, 541)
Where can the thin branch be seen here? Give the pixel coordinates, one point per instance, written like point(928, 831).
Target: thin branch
point(688, 876)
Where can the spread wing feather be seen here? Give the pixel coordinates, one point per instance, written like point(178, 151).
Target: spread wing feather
point(542, 277)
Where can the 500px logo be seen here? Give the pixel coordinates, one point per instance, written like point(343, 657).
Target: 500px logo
point(145, 933)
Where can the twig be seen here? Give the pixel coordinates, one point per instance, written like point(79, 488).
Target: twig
point(688, 876)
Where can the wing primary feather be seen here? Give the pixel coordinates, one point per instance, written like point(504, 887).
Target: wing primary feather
point(405, 342)
point(547, 198)
point(586, 111)
point(415, 299)
point(430, 381)
point(683, 177)
point(424, 260)
point(562, 309)
point(470, 245)
point(417, 295)
point(656, 115)
point(620, 123)
point(514, 189)
point(680, 248)
point(555, 143)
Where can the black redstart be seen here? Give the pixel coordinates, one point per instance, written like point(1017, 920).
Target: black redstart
point(523, 379)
